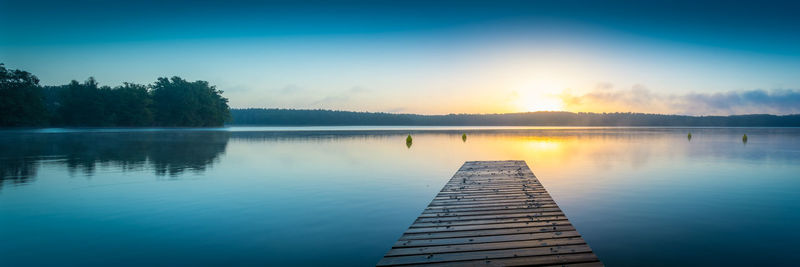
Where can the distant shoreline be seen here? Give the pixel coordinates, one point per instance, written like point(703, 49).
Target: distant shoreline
point(300, 117)
point(334, 118)
point(372, 130)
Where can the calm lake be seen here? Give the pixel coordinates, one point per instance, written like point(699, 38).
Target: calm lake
point(343, 195)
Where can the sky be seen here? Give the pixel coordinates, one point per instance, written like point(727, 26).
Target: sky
point(428, 57)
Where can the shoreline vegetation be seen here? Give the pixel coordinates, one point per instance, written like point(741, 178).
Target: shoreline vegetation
point(320, 117)
point(175, 102)
point(168, 102)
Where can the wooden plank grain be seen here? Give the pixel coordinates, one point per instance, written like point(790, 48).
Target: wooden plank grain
point(491, 213)
point(487, 254)
point(548, 260)
point(488, 221)
point(569, 238)
point(491, 235)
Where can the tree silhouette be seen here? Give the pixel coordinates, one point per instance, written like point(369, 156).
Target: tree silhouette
point(21, 99)
point(167, 102)
point(542, 118)
point(178, 102)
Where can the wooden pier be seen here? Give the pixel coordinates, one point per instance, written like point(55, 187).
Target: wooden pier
point(492, 213)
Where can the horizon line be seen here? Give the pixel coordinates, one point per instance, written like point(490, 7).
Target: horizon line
point(508, 113)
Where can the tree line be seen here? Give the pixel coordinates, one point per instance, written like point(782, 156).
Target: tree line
point(168, 102)
point(290, 117)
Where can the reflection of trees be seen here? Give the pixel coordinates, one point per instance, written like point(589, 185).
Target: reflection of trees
point(188, 151)
point(175, 152)
point(166, 152)
point(17, 170)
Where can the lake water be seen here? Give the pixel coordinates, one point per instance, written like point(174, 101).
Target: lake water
point(343, 195)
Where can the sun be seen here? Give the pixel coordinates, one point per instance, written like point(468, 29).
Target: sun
point(539, 92)
point(539, 102)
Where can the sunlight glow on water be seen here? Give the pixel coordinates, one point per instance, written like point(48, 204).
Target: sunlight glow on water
point(343, 196)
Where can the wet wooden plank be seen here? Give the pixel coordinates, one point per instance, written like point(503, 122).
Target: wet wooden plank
point(488, 208)
point(489, 205)
point(495, 216)
point(577, 259)
point(567, 238)
point(485, 254)
point(478, 236)
point(487, 221)
point(491, 213)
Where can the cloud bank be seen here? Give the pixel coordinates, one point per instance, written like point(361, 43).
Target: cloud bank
point(605, 98)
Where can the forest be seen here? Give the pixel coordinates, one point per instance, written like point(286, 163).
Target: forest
point(168, 102)
point(290, 117)
point(175, 102)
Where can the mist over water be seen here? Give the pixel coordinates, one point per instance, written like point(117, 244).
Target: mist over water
point(343, 195)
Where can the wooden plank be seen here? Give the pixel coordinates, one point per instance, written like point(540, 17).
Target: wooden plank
point(486, 226)
point(488, 208)
point(484, 217)
point(451, 201)
point(549, 260)
point(487, 221)
point(492, 204)
point(571, 238)
point(478, 195)
point(468, 213)
point(491, 213)
point(498, 233)
point(496, 199)
point(484, 194)
point(488, 254)
point(454, 208)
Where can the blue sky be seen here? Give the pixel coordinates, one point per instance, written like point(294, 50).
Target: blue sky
point(693, 57)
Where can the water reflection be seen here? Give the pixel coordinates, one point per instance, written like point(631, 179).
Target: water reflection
point(165, 153)
point(17, 170)
point(172, 153)
point(264, 197)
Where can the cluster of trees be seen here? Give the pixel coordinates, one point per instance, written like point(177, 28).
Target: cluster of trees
point(167, 102)
point(544, 118)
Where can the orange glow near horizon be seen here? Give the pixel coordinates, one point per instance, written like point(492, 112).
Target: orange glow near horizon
point(539, 91)
point(529, 103)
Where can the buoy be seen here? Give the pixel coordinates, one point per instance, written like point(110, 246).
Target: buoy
point(464, 137)
point(690, 136)
point(744, 138)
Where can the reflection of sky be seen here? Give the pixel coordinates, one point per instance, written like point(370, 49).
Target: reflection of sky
point(270, 197)
point(462, 57)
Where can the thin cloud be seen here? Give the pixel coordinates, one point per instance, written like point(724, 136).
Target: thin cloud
point(344, 97)
point(291, 89)
point(605, 98)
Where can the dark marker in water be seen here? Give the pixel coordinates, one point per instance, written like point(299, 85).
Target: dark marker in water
point(464, 137)
point(690, 137)
point(744, 138)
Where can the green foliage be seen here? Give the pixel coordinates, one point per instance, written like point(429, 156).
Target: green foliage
point(178, 102)
point(167, 102)
point(21, 99)
point(84, 104)
point(131, 105)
